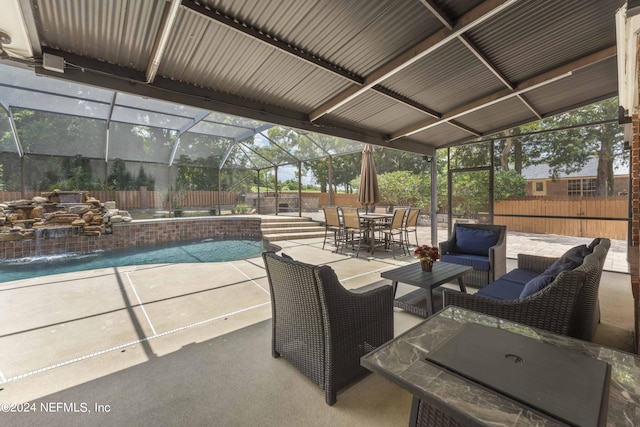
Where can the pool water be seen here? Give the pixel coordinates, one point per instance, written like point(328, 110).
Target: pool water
point(181, 252)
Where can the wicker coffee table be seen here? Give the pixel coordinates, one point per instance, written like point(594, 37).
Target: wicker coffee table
point(421, 301)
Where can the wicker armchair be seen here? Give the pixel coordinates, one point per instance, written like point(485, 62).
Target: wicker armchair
point(322, 328)
point(496, 256)
point(567, 306)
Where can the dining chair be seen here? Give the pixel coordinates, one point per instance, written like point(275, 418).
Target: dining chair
point(352, 228)
point(332, 224)
point(411, 225)
point(394, 233)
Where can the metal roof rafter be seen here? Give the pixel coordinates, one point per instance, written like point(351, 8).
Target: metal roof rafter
point(195, 120)
point(14, 130)
point(108, 125)
point(162, 38)
point(257, 34)
point(253, 132)
point(448, 23)
point(469, 20)
point(288, 48)
point(243, 147)
point(278, 145)
point(525, 86)
point(227, 154)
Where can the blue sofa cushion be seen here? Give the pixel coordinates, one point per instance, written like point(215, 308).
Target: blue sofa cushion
point(519, 276)
point(502, 290)
point(536, 284)
point(475, 241)
point(476, 261)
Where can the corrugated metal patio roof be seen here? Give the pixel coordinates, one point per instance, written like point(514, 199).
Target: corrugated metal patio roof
point(413, 75)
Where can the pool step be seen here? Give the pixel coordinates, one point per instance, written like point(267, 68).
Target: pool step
point(289, 228)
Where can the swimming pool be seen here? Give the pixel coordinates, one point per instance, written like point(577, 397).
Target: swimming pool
point(181, 252)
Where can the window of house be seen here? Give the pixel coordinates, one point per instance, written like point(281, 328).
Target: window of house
point(539, 188)
point(582, 187)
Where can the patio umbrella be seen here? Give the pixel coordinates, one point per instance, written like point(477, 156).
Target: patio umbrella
point(369, 194)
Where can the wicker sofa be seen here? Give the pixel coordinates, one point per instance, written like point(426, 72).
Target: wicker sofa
point(481, 246)
point(322, 328)
point(565, 303)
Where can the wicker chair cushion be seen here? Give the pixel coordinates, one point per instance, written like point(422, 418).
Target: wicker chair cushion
point(478, 262)
point(502, 290)
point(475, 241)
point(520, 276)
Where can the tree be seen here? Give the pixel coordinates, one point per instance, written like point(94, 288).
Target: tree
point(120, 178)
point(568, 149)
point(509, 185)
point(143, 180)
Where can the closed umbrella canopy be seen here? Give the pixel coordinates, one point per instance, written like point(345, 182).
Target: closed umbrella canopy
point(369, 193)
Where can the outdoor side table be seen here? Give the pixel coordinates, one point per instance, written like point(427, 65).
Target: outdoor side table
point(421, 301)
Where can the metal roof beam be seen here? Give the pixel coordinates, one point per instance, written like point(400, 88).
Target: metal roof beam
point(252, 132)
point(471, 19)
point(14, 130)
point(525, 86)
point(160, 43)
point(485, 61)
point(197, 119)
point(243, 146)
point(109, 76)
point(406, 101)
point(261, 36)
point(465, 128)
point(438, 13)
point(280, 147)
point(112, 105)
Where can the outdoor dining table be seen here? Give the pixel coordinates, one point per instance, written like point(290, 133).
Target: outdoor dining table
point(371, 222)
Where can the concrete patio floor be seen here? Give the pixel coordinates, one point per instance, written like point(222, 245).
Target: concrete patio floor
point(63, 330)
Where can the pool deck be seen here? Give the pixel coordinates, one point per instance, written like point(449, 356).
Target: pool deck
point(63, 330)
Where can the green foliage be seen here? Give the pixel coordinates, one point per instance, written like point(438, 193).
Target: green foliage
point(509, 185)
point(470, 192)
point(120, 178)
point(404, 188)
point(241, 209)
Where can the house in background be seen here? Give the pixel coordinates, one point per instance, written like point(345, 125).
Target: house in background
point(581, 183)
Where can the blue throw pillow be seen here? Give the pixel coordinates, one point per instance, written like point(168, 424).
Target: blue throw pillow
point(594, 243)
point(475, 241)
point(569, 260)
point(536, 284)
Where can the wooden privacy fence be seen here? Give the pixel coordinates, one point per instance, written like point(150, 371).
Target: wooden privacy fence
point(613, 210)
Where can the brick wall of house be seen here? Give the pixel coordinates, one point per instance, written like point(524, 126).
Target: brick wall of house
point(634, 244)
point(560, 188)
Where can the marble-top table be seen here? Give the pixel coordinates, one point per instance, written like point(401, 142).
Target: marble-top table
point(401, 361)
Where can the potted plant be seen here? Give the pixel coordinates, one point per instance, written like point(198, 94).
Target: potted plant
point(427, 256)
